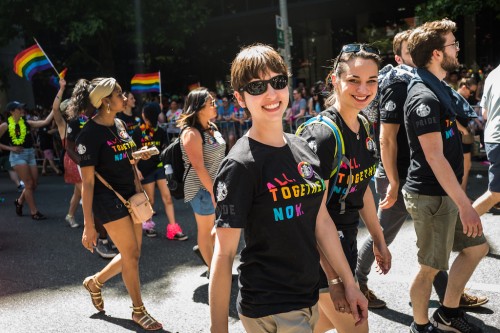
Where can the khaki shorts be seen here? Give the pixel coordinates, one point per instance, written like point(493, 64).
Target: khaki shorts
point(438, 228)
point(297, 321)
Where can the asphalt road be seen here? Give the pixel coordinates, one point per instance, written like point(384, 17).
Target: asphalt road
point(43, 264)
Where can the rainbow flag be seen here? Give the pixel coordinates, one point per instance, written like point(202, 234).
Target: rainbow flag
point(142, 83)
point(30, 61)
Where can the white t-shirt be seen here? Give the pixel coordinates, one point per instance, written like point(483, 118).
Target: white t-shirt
point(491, 101)
point(176, 114)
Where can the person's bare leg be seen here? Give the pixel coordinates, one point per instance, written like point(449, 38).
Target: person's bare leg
point(460, 272)
point(486, 201)
point(343, 322)
point(29, 176)
point(206, 239)
point(167, 200)
point(420, 293)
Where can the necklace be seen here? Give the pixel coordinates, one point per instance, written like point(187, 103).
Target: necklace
point(144, 132)
point(82, 119)
point(17, 140)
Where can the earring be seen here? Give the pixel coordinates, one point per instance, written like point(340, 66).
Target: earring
point(108, 110)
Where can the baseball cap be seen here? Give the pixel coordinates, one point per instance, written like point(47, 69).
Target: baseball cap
point(14, 105)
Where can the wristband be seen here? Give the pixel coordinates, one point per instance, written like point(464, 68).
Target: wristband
point(57, 96)
point(334, 281)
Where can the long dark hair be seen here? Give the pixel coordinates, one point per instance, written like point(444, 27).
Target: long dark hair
point(195, 101)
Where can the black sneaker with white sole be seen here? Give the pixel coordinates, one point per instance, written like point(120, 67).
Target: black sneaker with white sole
point(428, 329)
point(458, 324)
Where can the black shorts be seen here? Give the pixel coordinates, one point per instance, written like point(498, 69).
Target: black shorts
point(108, 208)
point(350, 246)
point(466, 147)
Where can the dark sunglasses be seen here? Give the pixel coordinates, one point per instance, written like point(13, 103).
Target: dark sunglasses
point(355, 48)
point(255, 88)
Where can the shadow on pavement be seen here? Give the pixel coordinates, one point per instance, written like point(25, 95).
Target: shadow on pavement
point(125, 323)
point(200, 295)
point(394, 316)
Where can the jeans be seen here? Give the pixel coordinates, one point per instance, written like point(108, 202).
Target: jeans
point(391, 221)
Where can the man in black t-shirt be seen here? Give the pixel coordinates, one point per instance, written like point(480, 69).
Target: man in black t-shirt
point(432, 192)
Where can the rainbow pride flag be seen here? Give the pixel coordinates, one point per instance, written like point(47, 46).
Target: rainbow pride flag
point(31, 61)
point(142, 83)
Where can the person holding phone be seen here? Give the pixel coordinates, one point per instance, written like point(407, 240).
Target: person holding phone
point(104, 146)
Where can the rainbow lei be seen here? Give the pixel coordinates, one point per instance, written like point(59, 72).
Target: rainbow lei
point(12, 131)
point(82, 119)
point(147, 136)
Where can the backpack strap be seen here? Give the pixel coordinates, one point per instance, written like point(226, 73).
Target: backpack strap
point(322, 118)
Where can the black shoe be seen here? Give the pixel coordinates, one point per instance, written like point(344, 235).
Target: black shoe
point(458, 324)
point(196, 251)
point(19, 208)
point(428, 328)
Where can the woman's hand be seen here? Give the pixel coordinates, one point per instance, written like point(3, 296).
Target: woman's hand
point(16, 149)
point(139, 174)
point(89, 237)
point(337, 294)
point(382, 256)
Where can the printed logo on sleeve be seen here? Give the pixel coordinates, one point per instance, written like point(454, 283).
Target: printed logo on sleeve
point(390, 106)
point(221, 191)
point(423, 110)
point(81, 149)
point(69, 130)
point(313, 145)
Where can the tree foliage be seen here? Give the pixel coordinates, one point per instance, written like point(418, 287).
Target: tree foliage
point(437, 9)
point(99, 36)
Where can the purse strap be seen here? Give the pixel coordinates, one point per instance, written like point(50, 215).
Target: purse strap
point(125, 202)
point(119, 125)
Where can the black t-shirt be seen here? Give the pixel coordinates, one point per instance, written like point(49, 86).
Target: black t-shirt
point(274, 193)
point(107, 150)
point(75, 126)
point(392, 112)
point(143, 138)
point(28, 139)
point(360, 153)
point(45, 138)
point(132, 122)
point(423, 114)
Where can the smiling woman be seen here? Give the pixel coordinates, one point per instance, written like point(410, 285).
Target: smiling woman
point(271, 185)
point(354, 81)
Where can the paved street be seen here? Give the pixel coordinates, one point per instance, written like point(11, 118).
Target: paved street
point(43, 264)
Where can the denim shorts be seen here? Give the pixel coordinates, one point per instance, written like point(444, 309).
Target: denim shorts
point(202, 203)
point(493, 154)
point(27, 156)
point(154, 176)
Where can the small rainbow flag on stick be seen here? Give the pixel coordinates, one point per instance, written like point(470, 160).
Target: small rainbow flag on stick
point(31, 61)
point(142, 83)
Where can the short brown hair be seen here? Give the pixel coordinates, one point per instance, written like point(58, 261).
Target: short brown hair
point(398, 40)
point(427, 38)
point(253, 62)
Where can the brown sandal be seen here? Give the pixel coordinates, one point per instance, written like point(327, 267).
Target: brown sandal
point(146, 321)
point(97, 300)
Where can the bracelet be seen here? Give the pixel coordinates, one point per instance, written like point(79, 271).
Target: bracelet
point(57, 96)
point(334, 281)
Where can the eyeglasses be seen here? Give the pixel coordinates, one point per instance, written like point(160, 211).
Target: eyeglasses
point(456, 44)
point(355, 48)
point(255, 88)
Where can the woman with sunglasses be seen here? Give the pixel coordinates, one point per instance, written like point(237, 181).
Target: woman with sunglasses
point(354, 82)
point(203, 149)
point(104, 147)
point(270, 185)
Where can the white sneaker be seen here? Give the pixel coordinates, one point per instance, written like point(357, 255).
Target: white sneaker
point(72, 222)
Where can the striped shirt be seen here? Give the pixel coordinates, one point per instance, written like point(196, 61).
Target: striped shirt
point(214, 148)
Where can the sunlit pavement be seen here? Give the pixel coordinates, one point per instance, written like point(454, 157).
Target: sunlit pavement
point(43, 264)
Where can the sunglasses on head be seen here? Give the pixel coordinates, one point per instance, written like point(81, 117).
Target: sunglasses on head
point(355, 48)
point(255, 88)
